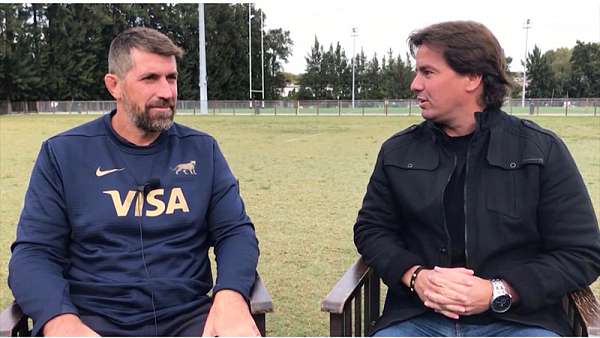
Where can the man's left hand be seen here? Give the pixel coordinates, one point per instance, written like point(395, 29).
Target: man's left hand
point(229, 316)
point(459, 293)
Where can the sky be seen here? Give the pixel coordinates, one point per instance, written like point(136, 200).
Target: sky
point(383, 25)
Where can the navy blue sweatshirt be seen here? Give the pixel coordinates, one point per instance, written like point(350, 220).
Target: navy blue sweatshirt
point(91, 242)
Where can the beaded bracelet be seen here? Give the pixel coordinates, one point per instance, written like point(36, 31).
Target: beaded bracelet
point(413, 278)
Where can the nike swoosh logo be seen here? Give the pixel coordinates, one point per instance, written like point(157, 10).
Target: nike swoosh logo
point(101, 173)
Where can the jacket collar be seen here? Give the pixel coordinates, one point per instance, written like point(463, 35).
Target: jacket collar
point(507, 146)
point(487, 119)
point(484, 120)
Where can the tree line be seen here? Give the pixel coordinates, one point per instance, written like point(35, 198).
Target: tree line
point(564, 72)
point(560, 73)
point(59, 51)
point(328, 75)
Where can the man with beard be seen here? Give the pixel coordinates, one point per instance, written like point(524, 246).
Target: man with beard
point(120, 213)
point(478, 222)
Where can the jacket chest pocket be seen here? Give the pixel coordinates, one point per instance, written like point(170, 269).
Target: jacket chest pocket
point(412, 175)
point(512, 186)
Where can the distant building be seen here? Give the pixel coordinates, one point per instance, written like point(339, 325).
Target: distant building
point(289, 88)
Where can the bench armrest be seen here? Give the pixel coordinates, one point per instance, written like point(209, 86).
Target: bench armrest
point(346, 287)
point(587, 307)
point(13, 321)
point(260, 299)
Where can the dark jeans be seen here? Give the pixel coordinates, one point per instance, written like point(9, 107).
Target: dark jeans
point(432, 324)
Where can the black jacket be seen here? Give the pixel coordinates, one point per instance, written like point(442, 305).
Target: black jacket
point(528, 216)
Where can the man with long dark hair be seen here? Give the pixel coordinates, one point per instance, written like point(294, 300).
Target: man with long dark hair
point(478, 222)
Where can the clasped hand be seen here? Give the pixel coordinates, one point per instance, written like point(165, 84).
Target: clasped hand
point(453, 292)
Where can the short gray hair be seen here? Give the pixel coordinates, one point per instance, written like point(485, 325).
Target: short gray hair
point(143, 38)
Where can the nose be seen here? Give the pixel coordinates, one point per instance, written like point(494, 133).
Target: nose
point(416, 85)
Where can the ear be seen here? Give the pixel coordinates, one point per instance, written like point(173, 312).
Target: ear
point(473, 81)
point(112, 83)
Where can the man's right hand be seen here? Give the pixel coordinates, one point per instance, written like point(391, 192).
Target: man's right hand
point(67, 325)
point(443, 290)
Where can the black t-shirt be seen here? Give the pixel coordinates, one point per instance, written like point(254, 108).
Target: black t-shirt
point(454, 200)
point(454, 208)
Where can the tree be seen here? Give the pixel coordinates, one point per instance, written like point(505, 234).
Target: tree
point(278, 47)
point(313, 85)
point(585, 66)
point(516, 89)
point(180, 22)
point(560, 63)
point(373, 80)
point(291, 78)
point(18, 76)
point(37, 56)
point(52, 52)
point(359, 75)
point(539, 75)
point(227, 56)
point(341, 82)
point(396, 77)
point(226, 51)
point(329, 75)
point(76, 51)
point(336, 74)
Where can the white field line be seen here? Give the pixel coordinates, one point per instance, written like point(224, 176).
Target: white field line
point(301, 138)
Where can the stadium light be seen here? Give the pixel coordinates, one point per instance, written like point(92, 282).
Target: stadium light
point(262, 54)
point(354, 35)
point(250, 51)
point(202, 83)
point(526, 27)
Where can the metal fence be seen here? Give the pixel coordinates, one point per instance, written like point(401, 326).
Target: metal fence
point(544, 106)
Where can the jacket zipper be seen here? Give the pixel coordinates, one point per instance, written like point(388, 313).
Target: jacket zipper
point(449, 247)
point(465, 202)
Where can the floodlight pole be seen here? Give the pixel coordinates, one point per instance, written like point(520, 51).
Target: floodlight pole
point(202, 83)
point(250, 51)
point(526, 27)
point(262, 54)
point(354, 35)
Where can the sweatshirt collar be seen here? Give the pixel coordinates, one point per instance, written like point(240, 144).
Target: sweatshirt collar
point(127, 146)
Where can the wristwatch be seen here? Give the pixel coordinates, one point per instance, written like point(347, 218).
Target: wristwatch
point(501, 299)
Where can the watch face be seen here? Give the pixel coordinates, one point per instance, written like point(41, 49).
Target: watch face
point(501, 303)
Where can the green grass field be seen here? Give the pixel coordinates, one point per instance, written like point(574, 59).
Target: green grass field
point(302, 179)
